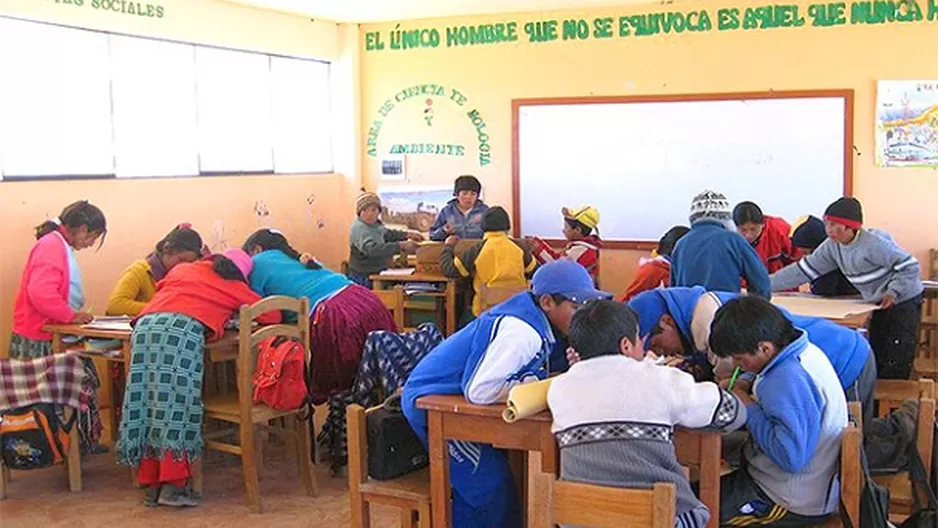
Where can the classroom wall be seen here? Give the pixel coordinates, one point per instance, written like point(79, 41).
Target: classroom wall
point(313, 210)
point(460, 79)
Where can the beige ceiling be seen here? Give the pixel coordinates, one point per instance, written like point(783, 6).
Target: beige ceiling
point(393, 10)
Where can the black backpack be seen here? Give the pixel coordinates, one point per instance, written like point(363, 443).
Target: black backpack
point(393, 448)
point(924, 516)
point(874, 501)
point(33, 437)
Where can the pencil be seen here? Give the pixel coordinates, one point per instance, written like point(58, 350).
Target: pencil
point(733, 379)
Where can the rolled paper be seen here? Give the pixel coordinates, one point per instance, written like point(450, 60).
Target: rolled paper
point(526, 400)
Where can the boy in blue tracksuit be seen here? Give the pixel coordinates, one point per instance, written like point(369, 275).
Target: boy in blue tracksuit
point(676, 321)
point(507, 345)
point(715, 256)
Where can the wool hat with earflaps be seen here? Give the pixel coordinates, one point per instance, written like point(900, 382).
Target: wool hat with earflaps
point(466, 182)
point(846, 211)
point(709, 204)
point(496, 219)
point(365, 200)
point(808, 232)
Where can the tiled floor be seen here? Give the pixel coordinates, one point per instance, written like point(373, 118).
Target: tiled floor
point(40, 499)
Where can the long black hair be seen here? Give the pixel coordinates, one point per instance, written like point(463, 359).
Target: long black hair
point(267, 239)
point(75, 215)
point(226, 269)
point(181, 238)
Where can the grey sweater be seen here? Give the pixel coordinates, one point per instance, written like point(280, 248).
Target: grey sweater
point(873, 263)
point(372, 247)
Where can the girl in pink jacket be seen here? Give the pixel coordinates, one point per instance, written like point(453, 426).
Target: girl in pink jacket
point(51, 292)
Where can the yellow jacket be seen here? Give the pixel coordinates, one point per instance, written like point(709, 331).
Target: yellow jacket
point(133, 291)
point(497, 262)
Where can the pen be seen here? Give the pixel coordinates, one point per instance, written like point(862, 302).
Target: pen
point(733, 379)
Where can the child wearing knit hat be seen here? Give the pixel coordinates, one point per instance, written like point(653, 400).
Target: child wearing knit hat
point(715, 256)
point(372, 244)
point(581, 230)
point(880, 270)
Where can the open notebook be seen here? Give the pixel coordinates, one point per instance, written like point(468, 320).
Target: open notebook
point(117, 324)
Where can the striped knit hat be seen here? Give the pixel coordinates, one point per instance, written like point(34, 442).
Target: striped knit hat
point(709, 204)
point(366, 199)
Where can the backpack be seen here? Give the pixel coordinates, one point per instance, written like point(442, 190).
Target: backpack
point(33, 437)
point(393, 448)
point(924, 516)
point(874, 501)
point(280, 376)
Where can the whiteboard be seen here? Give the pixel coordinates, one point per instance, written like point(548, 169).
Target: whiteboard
point(641, 163)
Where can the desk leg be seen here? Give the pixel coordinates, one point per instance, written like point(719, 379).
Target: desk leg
point(57, 346)
point(377, 284)
point(710, 447)
point(450, 308)
point(440, 503)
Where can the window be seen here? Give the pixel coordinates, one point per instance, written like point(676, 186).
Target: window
point(55, 101)
point(86, 103)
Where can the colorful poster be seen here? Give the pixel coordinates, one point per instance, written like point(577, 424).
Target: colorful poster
point(412, 207)
point(907, 124)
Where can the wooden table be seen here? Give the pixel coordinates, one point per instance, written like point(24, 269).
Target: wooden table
point(225, 349)
point(381, 281)
point(453, 418)
point(849, 312)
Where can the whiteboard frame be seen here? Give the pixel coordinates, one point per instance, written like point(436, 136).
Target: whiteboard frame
point(847, 95)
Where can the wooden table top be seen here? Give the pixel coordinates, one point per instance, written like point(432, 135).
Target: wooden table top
point(227, 341)
point(415, 277)
point(455, 404)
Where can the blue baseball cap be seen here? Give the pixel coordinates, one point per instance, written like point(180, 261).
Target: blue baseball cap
point(567, 278)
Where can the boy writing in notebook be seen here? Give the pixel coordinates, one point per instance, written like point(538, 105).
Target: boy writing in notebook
point(796, 414)
point(615, 410)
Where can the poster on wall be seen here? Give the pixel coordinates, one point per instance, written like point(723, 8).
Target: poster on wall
point(413, 207)
point(907, 124)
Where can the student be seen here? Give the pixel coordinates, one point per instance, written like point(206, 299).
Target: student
point(881, 271)
point(768, 235)
point(462, 216)
point(137, 285)
point(806, 235)
point(677, 321)
point(342, 313)
point(713, 256)
point(505, 346)
point(499, 261)
point(796, 416)
point(583, 244)
point(161, 420)
point(51, 291)
point(372, 245)
point(606, 393)
point(656, 273)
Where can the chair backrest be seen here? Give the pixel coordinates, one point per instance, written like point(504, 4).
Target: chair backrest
point(851, 474)
point(561, 502)
point(357, 446)
point(393, 300)
point(933, 264)
point(490, 296)
point(889, 394)
point(249, 338)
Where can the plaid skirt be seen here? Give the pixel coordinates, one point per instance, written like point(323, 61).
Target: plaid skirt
point(89, 422)
point(162, 411)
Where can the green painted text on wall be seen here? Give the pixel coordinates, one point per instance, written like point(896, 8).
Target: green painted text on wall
point(123, 7)
point(641, 25)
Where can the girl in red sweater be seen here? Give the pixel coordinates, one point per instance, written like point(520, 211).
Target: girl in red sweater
point(768, 235)
point(161, 419)
point(51, 292)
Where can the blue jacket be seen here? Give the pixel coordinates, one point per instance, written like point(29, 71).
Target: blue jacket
point(275, 273)
point(464, 226)
point(712, 256)
point(449, 368)
point(846, 349)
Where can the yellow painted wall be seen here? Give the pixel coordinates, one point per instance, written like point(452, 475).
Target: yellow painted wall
point(790, 58)
point(140, 212)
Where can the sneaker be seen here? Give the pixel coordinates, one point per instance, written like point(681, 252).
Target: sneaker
point(177, 497)
point(151, 497)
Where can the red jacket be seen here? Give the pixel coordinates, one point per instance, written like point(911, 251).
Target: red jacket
point(774, 244)
point(585, 251)
point(195, 290)
point(43, 295)
point(650, 275)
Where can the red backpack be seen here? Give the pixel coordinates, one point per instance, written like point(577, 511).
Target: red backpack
point(280, 376)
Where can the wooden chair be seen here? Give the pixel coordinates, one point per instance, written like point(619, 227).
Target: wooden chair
point(72, 461)
point(851, 473)
point(393, 299)
point(561, 502)
point(889, 394)
point(490, 296)
point(240, 410)
point(411, 492)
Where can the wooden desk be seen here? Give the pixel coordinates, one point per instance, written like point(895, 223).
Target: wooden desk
point(225, 349)
point(453, 418)
point(848, 312)
point(449, 294)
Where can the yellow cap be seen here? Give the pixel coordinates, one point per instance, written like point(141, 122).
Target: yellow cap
point(586, 215)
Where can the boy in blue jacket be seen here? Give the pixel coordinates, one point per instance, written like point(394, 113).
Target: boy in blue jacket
point(795, 416)
point(462, 216)
point(677, 322)
point(507, 345)
point(714, 256)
